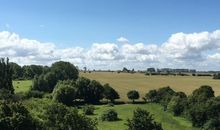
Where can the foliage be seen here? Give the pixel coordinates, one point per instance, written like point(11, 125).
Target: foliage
point(132, 95)
point(89, 91)
point(212, 124)
point(34, 93)
point(109, 115)
point(88, 109)
point(65, 70)
point(5, 94)
point(60, 117)
point(110, 93)
point(164, 95)
point(142, 120)
point(151, 96)
point(177, 105)
point(6, 75)
point(14, 115)
point(201, 94)
point(64, 92)
point(17, 71)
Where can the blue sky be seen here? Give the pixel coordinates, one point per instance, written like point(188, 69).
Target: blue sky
point(83, 22)
point(112, 34)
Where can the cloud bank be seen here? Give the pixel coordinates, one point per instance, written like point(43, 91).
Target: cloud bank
point(194, 50)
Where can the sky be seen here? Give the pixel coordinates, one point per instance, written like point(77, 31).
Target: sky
point(111, 34)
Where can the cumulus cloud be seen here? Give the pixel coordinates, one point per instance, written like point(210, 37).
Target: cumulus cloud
point(195, 50)
point(122, 40)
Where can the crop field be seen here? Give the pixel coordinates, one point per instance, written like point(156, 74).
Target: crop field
point(123, 82)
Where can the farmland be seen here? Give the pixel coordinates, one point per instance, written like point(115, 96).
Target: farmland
point(123, 82)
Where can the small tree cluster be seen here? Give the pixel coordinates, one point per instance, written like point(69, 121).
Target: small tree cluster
point(59, 71)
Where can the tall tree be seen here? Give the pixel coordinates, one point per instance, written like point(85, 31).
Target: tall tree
point(6, 75)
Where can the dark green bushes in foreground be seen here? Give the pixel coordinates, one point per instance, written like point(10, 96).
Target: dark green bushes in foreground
point(60, 117)
point(14, 116)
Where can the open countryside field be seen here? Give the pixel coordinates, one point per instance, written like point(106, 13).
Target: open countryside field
point(123, 82)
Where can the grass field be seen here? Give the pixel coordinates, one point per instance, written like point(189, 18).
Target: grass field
point(123, 82)
point(125, 111)
point(22, 86)
point(168, 121)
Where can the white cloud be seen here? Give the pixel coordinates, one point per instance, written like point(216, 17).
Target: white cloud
point(123, 40)
point(196, 50)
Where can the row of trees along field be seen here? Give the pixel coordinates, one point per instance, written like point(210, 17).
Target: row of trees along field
point(202, 108)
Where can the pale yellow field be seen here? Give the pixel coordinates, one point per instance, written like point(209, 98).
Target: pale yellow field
point(123, 82)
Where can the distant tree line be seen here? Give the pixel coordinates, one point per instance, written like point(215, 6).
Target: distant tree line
point(27, 71)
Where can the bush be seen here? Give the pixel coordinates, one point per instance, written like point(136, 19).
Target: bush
point(110, 104)
point(64, 94)
point(60, 117)
point(109, 115)
point(35, 94)
point(88, 110)
point(14, 116)
point(142, 120)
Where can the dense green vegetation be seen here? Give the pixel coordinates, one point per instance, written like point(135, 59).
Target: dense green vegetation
point(58, 98)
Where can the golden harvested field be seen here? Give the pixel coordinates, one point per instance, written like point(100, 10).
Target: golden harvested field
point(123, 82)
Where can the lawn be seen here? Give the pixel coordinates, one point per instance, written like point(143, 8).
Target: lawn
point(169, 122)
point(123, 82)
point(22, 85)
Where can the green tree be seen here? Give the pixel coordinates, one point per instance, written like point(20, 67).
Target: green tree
point(177, 105)
point(110, 93)
point(95, 92)
point(133, 94)
point(6, 75)
point(142, 120)
point(82, 85)
point(65, 70)
point(14, 116)
point(151, 96)
point(60, 117)
point(17, 72)
point(65, 92)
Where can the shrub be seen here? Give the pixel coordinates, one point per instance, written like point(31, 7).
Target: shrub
point(35, 94)
point(142, 120)
point(109, 115)
point(14, 116)
point(64, 94)
point(60, 117)
point(88, 110)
